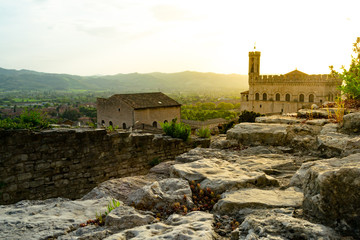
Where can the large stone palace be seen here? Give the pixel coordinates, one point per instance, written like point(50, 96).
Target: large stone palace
point(286, 93)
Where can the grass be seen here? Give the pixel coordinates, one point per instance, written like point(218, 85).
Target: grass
point(99, 220)
point(203, 133)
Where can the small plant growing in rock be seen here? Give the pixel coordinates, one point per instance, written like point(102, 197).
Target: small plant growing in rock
point(110, 128)
point(203, 133)
point(99, 220)
point(204, 199)
point(339, 111)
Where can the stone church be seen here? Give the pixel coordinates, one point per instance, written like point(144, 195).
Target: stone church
point(286, 93)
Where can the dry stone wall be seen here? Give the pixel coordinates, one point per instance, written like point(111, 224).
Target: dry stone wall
point(70, 162)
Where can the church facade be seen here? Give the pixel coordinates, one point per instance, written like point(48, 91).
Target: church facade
point(288, 92)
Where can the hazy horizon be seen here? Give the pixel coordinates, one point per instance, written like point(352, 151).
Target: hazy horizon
point(90, 37)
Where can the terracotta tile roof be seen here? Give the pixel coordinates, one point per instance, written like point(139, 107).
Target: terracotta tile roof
point(147, 100)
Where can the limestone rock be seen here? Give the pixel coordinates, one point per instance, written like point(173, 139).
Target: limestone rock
point(258, 134)
point(332, 192)
point(223, 143)
point(277, 119)
point(161, 170)
point(118, 188)
point(332, 143)
point(43, 219)
point(231, 202)
point(278, 224)
point(318, 122)
point(89, 232)
point(352, 122)
point(220, 175)
point(125, 217)
point(195, 225)
point(314, 113)
point(162, 193)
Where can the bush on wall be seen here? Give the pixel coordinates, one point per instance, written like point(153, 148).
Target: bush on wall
point(177, 130)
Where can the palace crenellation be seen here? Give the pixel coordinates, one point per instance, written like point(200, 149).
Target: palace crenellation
point(286, 93)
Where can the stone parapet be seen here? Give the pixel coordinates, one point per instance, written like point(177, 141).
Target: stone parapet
point(70, 162)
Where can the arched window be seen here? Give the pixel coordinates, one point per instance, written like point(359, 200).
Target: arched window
point(124, 125)
point(301, 98)
point(110, 123)
point(311, 98)
point(277, 97)
point(287, 97)
point(264, 97)
point(154, 124)
point(257, 96)
point(166, 121)
point(102, 122)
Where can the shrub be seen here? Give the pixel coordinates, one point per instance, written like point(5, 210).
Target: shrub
point(27, 120)
point(247, 116)
point(154, 162)
point(351, 77)
point(223, 128)
point(203, 133)
point(177, 130)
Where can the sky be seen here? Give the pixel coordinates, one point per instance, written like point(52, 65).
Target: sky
point(92, 37)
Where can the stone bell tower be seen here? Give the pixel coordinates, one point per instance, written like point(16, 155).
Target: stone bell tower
point(254, 64)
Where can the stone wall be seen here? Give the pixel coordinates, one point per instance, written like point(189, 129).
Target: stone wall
point(70, 162)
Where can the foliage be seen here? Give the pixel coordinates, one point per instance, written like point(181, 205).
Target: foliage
point(71, 114)
point(88, 111)
point(351, 77)
point(27, 120)
point(339, 111)
point(154, 162)
point(176, 130)
point(248, 116)
point(111, 128)
point(91, 124)
point(204, 199)
point(99, 220)
point(209, 110)
point(223, 128)
point(203, 133)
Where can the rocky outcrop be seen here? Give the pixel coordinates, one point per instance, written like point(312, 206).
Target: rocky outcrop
point(43, 219)
point(352, 122)
point(246, 186)
point(220, 175)
point(125, 217)
point(258, 198)
point(162, 194)
point(331, 191)
point(195, 225)
point(280, 224)
point(258, 134)
point(317, 137)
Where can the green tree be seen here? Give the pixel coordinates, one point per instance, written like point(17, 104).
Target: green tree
point(351, 77)
point(71, 114)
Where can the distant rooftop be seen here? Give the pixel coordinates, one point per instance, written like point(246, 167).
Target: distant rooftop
point(147, 100)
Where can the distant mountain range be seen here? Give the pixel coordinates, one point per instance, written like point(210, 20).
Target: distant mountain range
point(132, 82)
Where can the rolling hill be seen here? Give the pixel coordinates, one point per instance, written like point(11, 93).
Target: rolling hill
point(133, 82)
